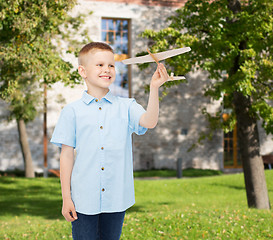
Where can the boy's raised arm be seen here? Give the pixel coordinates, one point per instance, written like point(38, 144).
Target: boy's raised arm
point(66, 165)
point(150, 118)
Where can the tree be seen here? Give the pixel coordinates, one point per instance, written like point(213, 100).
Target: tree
point(233, 41)
point(31, 33)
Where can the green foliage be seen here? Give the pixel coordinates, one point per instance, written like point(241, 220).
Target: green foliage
point(31, 33)
point(199, 208)
point(236, 49)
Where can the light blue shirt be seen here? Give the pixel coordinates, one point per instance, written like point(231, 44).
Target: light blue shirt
point(100, 131)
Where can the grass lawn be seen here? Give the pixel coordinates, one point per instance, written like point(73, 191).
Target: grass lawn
point(192, 208)
point(172, 173)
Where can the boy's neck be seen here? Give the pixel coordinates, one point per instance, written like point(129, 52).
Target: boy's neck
point(99, 94)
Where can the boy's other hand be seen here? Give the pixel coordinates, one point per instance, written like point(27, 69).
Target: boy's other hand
point(160, 76)
point(69, 211)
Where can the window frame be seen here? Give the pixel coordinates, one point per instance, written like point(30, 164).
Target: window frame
point(120, 57)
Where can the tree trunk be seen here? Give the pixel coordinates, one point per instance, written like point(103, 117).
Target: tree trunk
point(23, 139)
point(255, 183)
point(256, 190)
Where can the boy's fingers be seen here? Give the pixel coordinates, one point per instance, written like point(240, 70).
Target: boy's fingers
point(68, 217)
point(163, 71)
point(74, 214)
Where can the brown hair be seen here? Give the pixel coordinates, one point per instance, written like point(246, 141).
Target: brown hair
point(93, 46)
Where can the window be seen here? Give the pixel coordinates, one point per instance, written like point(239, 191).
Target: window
point(115, 32)
point(232, 157)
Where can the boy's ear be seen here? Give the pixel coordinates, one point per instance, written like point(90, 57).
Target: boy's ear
point(82, 71)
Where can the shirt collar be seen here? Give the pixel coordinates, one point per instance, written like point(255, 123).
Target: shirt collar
point(109, 97)
point(88, 98)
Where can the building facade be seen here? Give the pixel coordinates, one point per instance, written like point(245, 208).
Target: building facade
point(119, 23)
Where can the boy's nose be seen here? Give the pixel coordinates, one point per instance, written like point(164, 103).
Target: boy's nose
point(107, 69)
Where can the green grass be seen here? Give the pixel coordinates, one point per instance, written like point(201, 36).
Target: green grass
point(190, 172)
point(192, 208)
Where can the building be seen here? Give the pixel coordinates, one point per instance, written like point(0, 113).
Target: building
point(119, 23)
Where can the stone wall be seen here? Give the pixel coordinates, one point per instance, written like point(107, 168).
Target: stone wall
point(168, 3)
point(180, 116)
point(10, 152)
point(178, 129)
point(141, 17)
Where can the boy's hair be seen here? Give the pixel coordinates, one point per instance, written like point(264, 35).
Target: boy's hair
point(92, 46)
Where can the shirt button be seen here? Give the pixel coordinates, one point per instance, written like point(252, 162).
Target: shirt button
point(96, 100)
point(103, 189)
point(102, 148)
point(101, 127)
point(102, 168)
point(99, 108)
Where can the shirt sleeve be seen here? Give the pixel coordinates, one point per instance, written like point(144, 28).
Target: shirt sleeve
point(135, 112)
point(65, 130)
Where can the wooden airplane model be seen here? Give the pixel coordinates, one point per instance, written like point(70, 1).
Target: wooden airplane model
point(156, 57)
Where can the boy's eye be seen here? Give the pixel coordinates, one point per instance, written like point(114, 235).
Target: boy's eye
point(100, 65)
point(112, 66)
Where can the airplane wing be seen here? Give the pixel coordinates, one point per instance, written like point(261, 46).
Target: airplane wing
point(173, 78)
point(160, 56)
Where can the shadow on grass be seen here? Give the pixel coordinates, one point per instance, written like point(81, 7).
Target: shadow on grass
point(146, 207)
point(5, 180)
point(235, 187)
point(37, 197)
point(228, 186)
point(137, 208)
point(190, 172)
point(29, 198)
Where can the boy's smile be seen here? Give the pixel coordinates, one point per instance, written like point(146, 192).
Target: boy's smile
point(105, 77)
point(98, 71)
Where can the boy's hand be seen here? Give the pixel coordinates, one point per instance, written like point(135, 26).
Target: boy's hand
point(69, 211)
point(160, 76)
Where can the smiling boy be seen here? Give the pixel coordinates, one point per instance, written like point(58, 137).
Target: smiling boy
point(98, 186)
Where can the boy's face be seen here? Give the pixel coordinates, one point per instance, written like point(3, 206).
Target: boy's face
point(98, 69)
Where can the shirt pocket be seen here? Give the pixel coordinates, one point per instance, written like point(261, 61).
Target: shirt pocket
point(118, 133)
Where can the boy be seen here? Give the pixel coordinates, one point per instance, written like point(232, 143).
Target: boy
point(98, 187)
